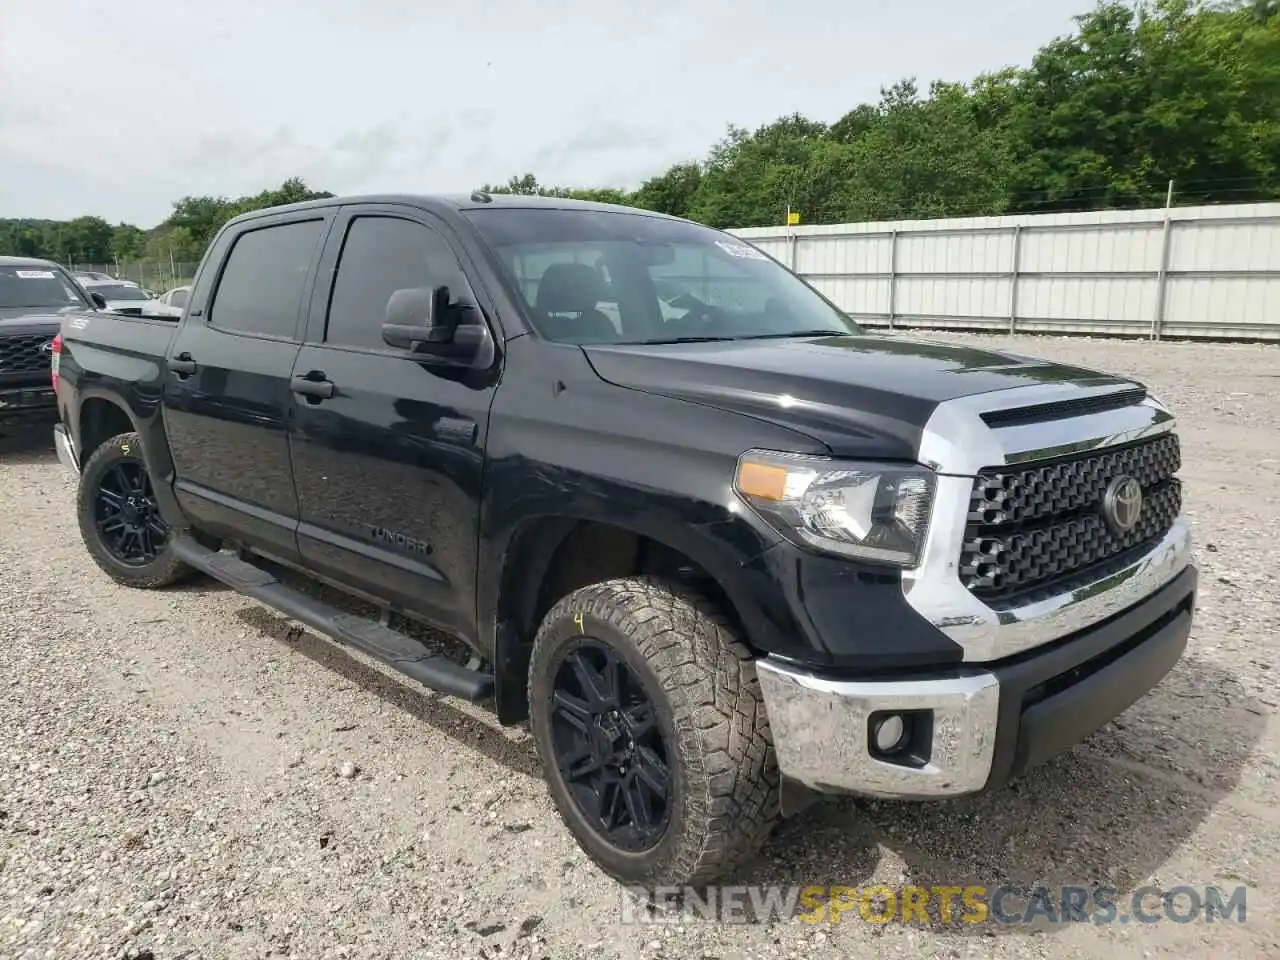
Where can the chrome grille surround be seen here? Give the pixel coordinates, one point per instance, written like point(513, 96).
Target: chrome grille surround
point(962, 448)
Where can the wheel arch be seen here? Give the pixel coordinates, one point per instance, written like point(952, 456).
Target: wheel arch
point(100, 415)
point(101, 418)
point(549, 556)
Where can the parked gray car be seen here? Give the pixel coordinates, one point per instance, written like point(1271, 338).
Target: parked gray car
point(128, 298)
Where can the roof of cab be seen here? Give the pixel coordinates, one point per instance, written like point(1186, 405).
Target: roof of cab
point(454, 203)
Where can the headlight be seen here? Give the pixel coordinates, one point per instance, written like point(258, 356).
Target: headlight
point(868, 511)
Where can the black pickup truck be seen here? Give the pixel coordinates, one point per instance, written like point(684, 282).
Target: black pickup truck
point(35, 297)
point(722, 550)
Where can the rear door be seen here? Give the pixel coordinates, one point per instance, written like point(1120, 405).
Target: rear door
point(227, 402)
point(388, 468)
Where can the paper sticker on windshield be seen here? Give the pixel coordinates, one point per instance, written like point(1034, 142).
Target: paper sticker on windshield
point(35, 274)
point(740, 250)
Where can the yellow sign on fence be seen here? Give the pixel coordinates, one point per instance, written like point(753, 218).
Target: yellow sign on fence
point(793, 218)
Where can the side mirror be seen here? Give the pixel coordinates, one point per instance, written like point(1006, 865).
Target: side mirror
point(99, 300)
point(411, 318)
point(424, 320)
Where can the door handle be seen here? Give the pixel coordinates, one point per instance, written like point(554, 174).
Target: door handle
point(182, 365)
point(314, 386)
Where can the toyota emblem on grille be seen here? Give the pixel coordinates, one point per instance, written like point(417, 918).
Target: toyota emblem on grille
point(1122, 504)
point(47, 347)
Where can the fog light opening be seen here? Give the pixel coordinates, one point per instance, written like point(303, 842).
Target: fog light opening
point(890, 733)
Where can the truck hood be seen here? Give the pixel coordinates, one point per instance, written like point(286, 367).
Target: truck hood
point(861, 396)
point(20, 320)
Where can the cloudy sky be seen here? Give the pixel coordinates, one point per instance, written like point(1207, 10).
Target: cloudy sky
point(117, 109)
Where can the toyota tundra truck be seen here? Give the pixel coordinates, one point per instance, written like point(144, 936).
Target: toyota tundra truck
point(35, 296)
point(722, 550)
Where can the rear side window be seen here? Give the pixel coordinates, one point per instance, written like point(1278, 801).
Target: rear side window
point(379, 256)
point(264, 280)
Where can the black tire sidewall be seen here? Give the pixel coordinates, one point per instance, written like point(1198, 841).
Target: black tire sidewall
point(557, 638)
point(164, 568)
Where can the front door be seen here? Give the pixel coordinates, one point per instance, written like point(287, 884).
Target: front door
point(227, 401)
point(388, 467)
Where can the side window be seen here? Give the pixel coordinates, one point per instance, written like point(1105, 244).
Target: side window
point(379, 256)
point(264, 279)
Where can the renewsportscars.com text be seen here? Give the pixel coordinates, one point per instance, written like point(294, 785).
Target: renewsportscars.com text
point(1008, 904)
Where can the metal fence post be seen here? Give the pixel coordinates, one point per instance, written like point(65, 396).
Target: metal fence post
point(1013, 279)
point(1162, 279)
point(893, 277)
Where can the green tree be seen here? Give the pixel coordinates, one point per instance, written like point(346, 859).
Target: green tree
point(187, 230)
point(673, 192)
point(127, 241)
point(926, 157)
point(1140, 96)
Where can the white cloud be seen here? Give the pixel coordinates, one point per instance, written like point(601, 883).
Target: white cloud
point(119, 109)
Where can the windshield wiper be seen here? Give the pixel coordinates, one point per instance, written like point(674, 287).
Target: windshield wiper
point(798, 333)
point(659, 340)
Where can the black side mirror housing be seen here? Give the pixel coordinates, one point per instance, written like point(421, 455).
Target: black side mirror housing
point(411, 318)
point(99, 300)
point(427, 321)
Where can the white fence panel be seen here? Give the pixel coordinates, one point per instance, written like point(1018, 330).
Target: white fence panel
point(1208, 272)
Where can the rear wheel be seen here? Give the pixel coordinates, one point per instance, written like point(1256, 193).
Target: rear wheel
point(653, 736)
point(120, 518)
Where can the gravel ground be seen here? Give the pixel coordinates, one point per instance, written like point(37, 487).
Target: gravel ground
point(186, 774)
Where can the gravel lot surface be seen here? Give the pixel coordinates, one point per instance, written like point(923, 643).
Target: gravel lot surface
point(184, 773)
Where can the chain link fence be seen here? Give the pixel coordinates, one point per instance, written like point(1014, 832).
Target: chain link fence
point(156, 275)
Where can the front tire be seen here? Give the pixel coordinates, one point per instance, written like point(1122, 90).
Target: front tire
point(653, 735)
point(120, 519)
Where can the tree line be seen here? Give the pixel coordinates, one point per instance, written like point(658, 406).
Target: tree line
point(1138, 95)
point(183, 235)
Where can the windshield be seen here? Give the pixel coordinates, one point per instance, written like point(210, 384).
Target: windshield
point(37, 287)
point(118, 291)
point(588, 276)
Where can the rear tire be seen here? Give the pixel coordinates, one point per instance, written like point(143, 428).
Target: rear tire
point(120, 520)
point(707, 728)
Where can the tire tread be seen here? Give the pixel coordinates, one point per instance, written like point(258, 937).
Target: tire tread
point(722, 727)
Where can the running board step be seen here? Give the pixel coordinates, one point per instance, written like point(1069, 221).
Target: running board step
point(390, 646)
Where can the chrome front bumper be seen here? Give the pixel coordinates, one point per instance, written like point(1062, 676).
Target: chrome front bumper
point(822, 736)
point(66, 448)
point(979, 723)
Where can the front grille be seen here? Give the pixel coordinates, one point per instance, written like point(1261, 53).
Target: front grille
point(1031, 527)
point(24, 354)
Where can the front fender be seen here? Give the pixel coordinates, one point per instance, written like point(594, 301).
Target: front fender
point(564, 444)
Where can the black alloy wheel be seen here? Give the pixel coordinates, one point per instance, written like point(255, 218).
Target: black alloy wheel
point(120, 518)
point(609, 747)
point(126, 514)
point(652, 732)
